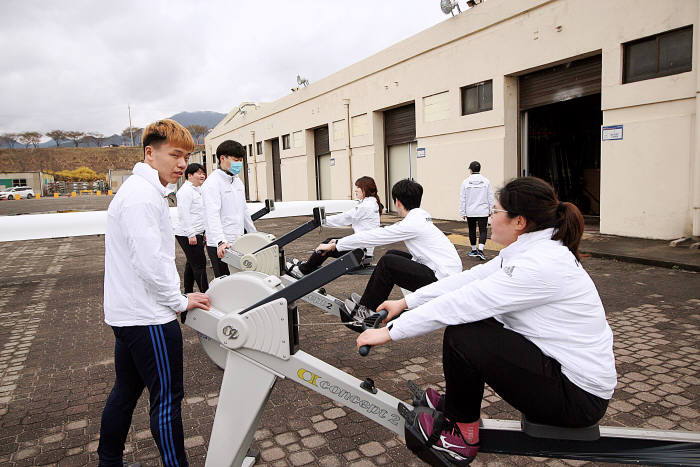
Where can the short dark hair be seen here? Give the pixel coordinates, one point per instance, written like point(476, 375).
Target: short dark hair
point(475, 167)
point(194, 167)
point(230, 148)
point(408, 192)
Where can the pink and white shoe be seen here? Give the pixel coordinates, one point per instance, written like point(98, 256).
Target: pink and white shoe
point(445, 436)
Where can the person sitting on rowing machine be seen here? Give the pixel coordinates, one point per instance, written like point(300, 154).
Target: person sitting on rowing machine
point(364, 216)
point(530, 323)
point(431, 255)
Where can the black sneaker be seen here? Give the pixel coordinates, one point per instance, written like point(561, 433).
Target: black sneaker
point(480, 255)
point(473, 253)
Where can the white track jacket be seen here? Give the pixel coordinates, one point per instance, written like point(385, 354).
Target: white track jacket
point(476, 197)
point(225, 210)
point(536, 288)
point(426, 243)
point(364, 216)
point(190, 211)
point(142, 286)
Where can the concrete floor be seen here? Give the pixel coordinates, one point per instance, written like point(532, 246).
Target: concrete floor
point(56, 366)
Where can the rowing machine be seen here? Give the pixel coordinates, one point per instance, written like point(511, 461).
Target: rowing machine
point(254, 323)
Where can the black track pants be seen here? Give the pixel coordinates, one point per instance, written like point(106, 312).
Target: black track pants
point(196, 265)
point(395, 268)
point(486, 352)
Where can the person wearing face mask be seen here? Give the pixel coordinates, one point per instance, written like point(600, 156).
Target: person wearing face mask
point(189, 231)
point(226, 216)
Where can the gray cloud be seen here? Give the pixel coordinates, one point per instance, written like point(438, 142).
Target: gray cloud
point(76, 64)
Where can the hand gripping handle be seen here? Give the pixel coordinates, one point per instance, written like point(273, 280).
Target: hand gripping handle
point(372, 322)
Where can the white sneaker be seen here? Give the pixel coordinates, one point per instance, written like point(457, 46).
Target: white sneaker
point(357, 311)
point(295, 272)
point(355, 297)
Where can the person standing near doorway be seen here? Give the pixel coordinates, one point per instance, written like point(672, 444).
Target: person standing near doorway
point(476, 203)
point(226, 216)
point(190, 228)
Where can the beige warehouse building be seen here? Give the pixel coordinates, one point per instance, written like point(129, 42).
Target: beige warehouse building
point(597, 97)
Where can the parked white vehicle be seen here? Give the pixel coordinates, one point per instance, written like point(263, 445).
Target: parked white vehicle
point(22, 191)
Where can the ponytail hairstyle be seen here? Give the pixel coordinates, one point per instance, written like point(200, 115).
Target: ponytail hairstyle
point(536, 201)
point(369, 188)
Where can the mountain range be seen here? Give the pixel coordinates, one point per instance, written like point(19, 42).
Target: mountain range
point(206, 118)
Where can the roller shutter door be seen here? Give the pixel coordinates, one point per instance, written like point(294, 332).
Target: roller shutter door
point(400, 125)
point(561, 83)
point(321, 145)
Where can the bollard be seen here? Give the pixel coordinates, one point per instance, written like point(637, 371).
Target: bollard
point(73, 194)
point(56, 195)
point(38, 195)
point(98, 193)
point(109, 192)
point(17, 197)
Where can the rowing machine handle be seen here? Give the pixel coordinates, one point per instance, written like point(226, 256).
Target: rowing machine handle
point(378, 319)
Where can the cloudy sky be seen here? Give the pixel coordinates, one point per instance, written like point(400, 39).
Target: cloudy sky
point(77, 64)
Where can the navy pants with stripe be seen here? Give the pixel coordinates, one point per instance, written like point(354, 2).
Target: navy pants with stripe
point(145, 356)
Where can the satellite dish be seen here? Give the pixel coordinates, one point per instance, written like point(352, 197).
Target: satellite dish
point(448, 6)
point(302, 81)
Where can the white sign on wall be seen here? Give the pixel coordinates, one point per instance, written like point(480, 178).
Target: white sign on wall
point(611, 132)
point(420, 152)
point(332, 161)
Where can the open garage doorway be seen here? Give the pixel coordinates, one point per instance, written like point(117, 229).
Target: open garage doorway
point(561, 118)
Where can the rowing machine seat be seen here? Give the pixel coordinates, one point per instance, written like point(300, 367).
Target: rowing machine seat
point(538, 430)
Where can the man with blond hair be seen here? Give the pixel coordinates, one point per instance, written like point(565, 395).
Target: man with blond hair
point(142, 299)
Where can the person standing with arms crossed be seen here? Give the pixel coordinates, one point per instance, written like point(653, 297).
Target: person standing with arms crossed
point(142, 299)
point(476, 203)
point(226, 216)
point(190, 228)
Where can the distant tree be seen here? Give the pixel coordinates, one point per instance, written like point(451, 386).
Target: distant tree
point(197, 131)
point(88, 139)
point(11, 139)
point(57, 136)
point(29, 137)
point(98, 137)
point(127, 133)
point(75, 136)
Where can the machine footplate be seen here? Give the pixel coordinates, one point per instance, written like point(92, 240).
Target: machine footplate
point(417, 444)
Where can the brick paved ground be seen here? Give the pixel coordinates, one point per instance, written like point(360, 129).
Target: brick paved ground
point(56, 365)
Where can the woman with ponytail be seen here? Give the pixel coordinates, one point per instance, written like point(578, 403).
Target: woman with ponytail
point(364, 216)
point(529, 323)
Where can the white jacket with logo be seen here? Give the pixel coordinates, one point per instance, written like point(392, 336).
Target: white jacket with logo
point(476, 197)
point(426, 243)
point(190, 211)
point(225, 209)
point(364, 216)
point(141, 286)
point(536, 288)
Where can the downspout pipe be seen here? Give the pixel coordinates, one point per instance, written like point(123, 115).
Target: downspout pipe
point(255, 163)
point(695, 178)
point(348, 147)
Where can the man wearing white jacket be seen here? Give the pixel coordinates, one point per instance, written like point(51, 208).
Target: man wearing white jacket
point(476, 205)
point(431, 254)
point(142, 298)
point(189, 231)
point(226, 217)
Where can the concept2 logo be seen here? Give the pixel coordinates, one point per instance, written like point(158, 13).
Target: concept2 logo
point(340, 393)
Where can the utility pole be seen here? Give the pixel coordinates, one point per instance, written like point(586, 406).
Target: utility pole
point(131, 128)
